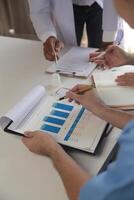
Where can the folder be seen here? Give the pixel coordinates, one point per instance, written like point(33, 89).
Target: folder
point(70, 124)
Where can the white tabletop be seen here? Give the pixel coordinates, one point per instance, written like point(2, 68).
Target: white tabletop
point(24, 175)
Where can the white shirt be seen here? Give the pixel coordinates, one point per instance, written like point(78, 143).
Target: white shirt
point(47, 19)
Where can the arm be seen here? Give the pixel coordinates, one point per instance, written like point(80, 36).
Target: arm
point(92, 102)
point(115, 117)
point(72, 175)
point(40, 14)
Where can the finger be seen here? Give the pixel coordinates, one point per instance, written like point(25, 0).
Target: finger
point(49, 49)
point(122, 83)
point(111, 48)
point(77, 87)
point(53, 46)
point(72, 95)
point(95, 54)
point(50, 57)
point(70, 100)
point(58, 46)
point(99, 61)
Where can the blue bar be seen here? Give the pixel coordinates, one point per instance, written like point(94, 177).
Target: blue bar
point(59, 113)
point(68, 135)
point(63, 106)
point(54, 120)
point(49, 128)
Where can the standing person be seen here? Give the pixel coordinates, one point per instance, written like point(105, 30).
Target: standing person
point(62, 21)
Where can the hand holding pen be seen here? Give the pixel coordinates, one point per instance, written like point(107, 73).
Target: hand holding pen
point(80, 90)
point(52, 48)
point(112, 56)
point(88, 99)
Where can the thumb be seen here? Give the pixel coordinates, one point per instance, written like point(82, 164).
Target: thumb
point(73, 96)
point(29, 134)
point(58, 46)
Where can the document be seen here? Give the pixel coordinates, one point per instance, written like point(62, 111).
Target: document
point(75, 62)
point(70, 124)
point(108, 90)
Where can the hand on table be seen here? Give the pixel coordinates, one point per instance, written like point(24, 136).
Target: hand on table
point(114, 56)
point(52, 48)
point(40, 143)
point(126, 79)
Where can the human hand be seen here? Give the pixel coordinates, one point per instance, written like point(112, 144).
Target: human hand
point(114, 56)
point(126, 79)
point(89, 99)
point(52, 47)
point(40, 143)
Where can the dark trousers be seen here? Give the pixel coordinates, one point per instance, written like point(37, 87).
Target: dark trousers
point(92, 16)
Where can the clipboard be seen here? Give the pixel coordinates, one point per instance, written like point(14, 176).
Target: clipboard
point(74, 63)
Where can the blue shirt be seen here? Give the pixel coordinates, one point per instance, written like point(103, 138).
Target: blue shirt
point(117, 183)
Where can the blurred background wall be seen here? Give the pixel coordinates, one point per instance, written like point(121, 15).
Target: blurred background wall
point(15, 20)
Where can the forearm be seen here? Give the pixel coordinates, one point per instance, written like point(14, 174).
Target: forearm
point(73, 176)
point(117, 118)
point(41, 18)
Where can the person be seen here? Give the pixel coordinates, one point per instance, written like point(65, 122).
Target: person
point(59, 21)
point(115, 56)
point(117, 182)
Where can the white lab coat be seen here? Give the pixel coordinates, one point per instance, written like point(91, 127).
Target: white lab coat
point(56, 18)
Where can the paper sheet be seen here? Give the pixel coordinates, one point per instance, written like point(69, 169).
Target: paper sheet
point(75, 62)
point(18, 113)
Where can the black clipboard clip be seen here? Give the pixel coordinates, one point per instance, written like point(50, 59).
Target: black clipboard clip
point(72, 74)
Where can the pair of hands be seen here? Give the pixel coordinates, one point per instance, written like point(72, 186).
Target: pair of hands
point(44, 144)
point(53, 46)
point(114, 57)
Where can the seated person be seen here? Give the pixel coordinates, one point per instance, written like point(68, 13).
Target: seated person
point(117, 182)
point(114, 57)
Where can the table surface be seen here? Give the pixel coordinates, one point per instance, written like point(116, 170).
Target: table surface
point(24, 175)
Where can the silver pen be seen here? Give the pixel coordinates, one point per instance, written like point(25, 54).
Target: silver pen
point(56, 60)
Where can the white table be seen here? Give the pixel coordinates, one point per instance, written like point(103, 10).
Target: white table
point(23, 175)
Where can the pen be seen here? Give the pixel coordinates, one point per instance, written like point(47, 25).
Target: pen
point(56, 60)
point(81, 91)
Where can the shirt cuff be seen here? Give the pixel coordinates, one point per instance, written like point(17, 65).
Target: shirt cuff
point(109, 36)
point(45, 36)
